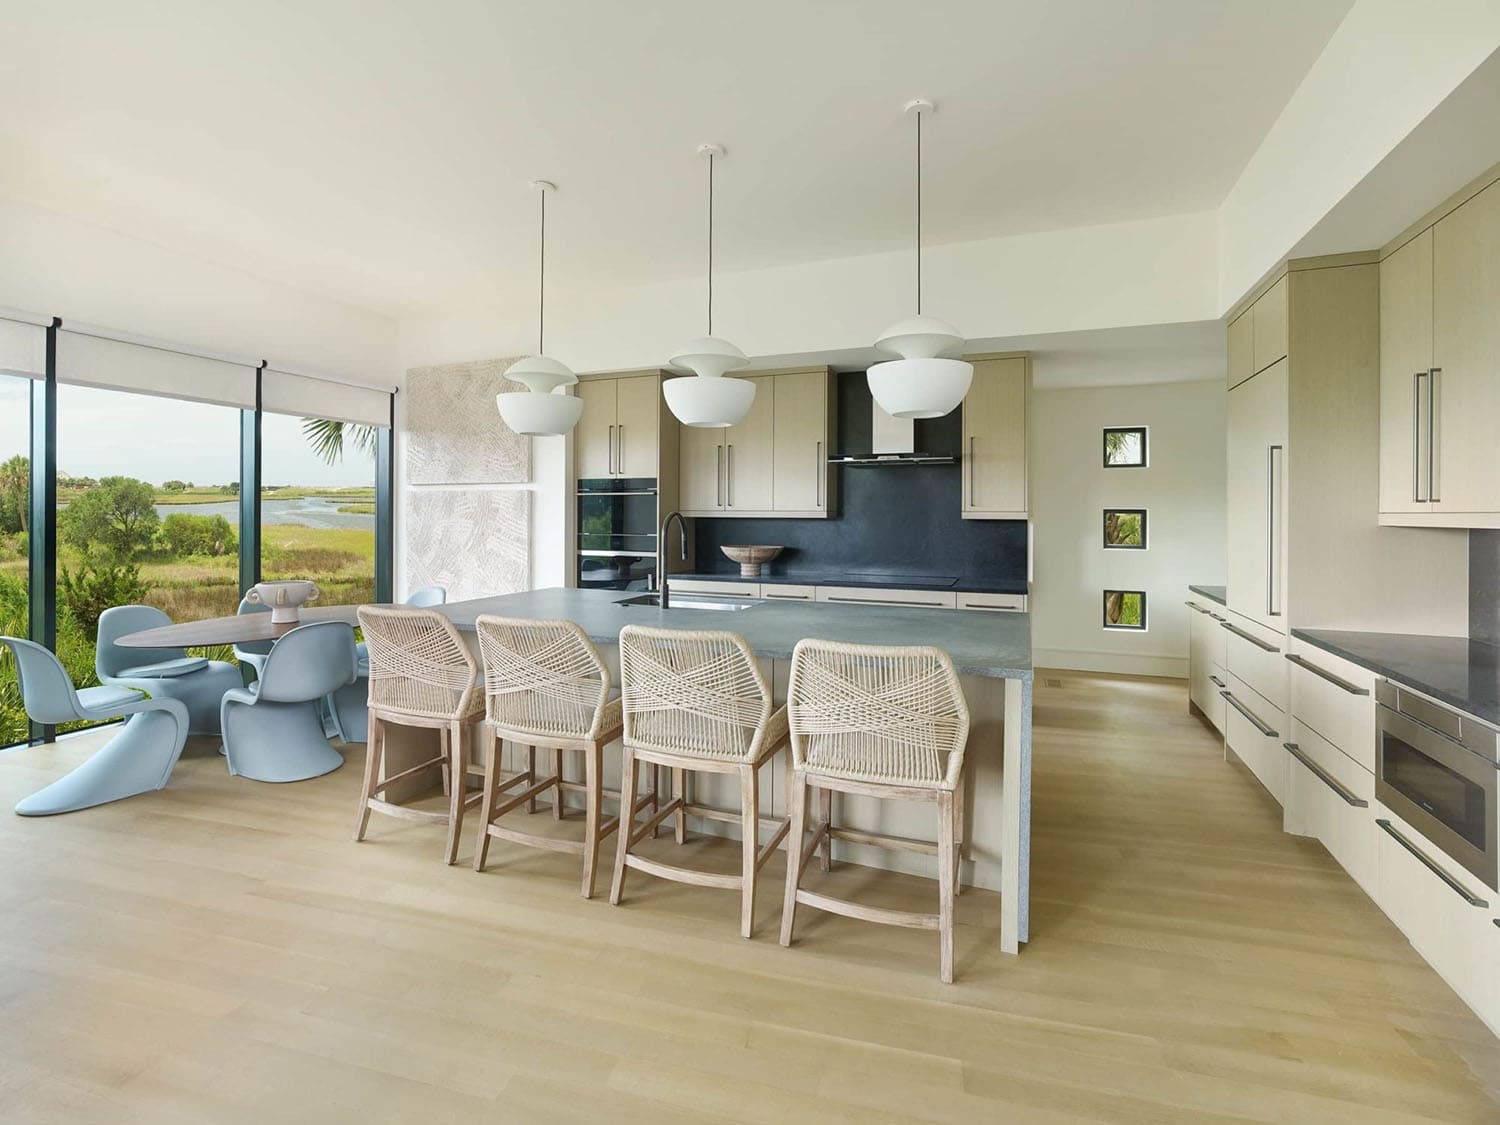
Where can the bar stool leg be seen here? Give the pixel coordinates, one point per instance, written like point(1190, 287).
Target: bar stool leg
point(487, 805)
point(958, 837)
point(458, 745)
point(794, 847)
point(825, 812)
point(593, 800)
point(557, 791)
point(679, 792)
point(749, 846)
point(531, 776)
point(947, 878)
point(374, 750)
point(627, 825)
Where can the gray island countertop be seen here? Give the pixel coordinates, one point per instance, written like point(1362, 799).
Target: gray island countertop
point(996, 645)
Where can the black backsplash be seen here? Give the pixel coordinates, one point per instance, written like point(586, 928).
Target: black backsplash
point(896, 520)
point(1484, 586)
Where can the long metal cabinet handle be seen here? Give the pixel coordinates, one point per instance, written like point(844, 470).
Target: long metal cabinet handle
point(620, 450)
point(718, 476)
point(1195, 607)
point(1434, 434)
point(1273, 534)
point(1216, 681)
point(821, 470)
point(611, 451)
point(972, 502)
point(1458, 888)
point(878, 601)
point(1416, 437)
point(1249, 714)
point(1325, 777)
point(1256, 641)
point(1336, 681)
point(729, 476)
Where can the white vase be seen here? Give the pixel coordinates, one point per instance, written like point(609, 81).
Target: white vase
point(284, 599)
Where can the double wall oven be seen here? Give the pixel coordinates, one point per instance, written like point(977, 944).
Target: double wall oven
point(1439, 770)
point(616, 532)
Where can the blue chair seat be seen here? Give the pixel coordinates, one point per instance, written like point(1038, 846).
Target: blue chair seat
point(182, 666)
point(107, 697)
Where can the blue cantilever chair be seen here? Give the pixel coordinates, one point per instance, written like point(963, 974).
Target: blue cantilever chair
point(252, 653)
point(138, 759)
point(200, 684)
point(273, 729)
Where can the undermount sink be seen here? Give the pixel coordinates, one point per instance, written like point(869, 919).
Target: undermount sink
point(684, 601)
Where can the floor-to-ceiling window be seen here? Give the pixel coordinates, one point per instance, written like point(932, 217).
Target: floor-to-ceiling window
point(15, 481)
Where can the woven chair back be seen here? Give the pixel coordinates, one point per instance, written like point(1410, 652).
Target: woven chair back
point(542, 677)
point(892, 715)
point(419, 665)
point(698, 694)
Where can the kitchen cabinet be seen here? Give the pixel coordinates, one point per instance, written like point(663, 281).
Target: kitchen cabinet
point(1336, 699)
point(1206, 655)
point(749, 450)
point(994, 438)
point(867, 595)
point(1254, 731)
point(1257, 441)
point(701, 460)
point(1329, 798)
point(803, 413)
point(1241, 348)
point(863, 595)
point(1270, 315)
point(618, 433)
point(1405, 376)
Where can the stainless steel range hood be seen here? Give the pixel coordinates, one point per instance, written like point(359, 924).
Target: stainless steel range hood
point(893, 441)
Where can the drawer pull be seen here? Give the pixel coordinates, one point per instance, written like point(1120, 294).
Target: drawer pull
point(1326, 778)
point(787, 597)
point(882, 601)
point(1249, 714)
point(1336, 681)
point(1458, 888)
point(1216, 681)
point(1195, 607)
point(1256, 641)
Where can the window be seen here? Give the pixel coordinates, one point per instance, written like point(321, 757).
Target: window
point(1125, 529)
point(1124, 609)
point(1125, 447)
point(15, 571)
point(317, 513)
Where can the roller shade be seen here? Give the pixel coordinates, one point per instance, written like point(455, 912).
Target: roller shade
point(126, 365)
point(285, 392)
point(23, 348)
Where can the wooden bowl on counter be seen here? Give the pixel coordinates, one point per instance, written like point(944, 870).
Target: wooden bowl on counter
point(751, 558)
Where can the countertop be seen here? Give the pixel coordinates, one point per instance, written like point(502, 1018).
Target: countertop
point(872, 581)
point(995, 645)
point(1212, 593)
point(1461, 673)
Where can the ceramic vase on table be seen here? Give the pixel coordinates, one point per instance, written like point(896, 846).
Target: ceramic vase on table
point(283, 599)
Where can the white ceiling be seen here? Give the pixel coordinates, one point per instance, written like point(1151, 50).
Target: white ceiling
point(379, 152)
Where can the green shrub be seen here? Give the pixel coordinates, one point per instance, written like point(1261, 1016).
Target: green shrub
point(86, 593)
point(182, 535)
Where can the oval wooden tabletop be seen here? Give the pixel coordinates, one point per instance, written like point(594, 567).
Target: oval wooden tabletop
point(243, 628)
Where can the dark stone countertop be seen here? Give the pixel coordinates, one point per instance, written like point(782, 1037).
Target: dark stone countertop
point(871, 581)
point(1461, 673)
point(1212, 593)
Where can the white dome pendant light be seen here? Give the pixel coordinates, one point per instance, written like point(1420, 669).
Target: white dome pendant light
point(544, 409)
point(708, 398)
point(922, 383)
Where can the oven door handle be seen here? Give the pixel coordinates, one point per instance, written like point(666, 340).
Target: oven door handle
point(1454, 885)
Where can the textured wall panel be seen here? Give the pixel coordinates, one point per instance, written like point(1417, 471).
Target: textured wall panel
point(474, 542)
point(454, 434)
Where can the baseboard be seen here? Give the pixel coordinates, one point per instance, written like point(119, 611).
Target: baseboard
point(1129, 664)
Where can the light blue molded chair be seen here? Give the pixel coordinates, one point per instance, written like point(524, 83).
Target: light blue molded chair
point(138, 759)
point(252, 653)
point(200, 684)
point(273, 730)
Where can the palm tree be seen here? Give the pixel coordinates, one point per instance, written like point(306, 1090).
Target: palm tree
point(327, 436)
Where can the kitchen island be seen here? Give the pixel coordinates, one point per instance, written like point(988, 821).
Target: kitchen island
point(992, 652)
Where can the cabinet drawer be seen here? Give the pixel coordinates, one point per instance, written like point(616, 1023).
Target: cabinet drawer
point(1217, 708)
point(710, 586)
point(1011, 603)
point(1254, 655)
point(1329, 797)
point(782, 592)
point(1253, 730)
point(935, 599)
point(1334, 698)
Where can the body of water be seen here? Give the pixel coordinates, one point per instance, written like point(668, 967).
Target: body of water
point(314, 511)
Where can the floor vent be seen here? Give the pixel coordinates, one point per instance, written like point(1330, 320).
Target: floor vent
point(1051, 683)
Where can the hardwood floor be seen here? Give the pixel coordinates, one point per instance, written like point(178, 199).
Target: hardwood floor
point(221, 952)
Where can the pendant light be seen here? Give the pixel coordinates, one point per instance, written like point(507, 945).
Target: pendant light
point(922, 383)
point(544, 408)
point(708, 398)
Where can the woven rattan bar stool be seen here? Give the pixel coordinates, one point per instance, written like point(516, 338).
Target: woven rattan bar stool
point(697, 702)
point(547, 688)
point(421, 675)
point(879, 721)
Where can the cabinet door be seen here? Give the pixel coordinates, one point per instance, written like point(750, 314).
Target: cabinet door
point(637, 415)
point(701, 469)
point(994, 435)
point(1405, 361)
point(1200, 639)
point(1257, 468)
point(1241, 348)
point(1466, 356)
point(1270, 313)
point(749, 452)
point(801, 458)
point(595, 436)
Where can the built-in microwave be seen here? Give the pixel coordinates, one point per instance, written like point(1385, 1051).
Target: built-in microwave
point(1439, 770)
point(616, 532)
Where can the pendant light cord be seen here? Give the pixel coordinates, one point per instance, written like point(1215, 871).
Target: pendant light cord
point(919, 212)
point(710, 243)
point(541, 280)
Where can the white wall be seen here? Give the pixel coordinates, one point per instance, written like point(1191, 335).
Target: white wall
point(1183, 490)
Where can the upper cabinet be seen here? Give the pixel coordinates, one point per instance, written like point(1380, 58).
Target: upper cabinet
point(1241, 347)
point(620, 430)
point(1270, 328)
point(774, 461)
point(1440, 370)
point(994, 439)
point(1257, 425)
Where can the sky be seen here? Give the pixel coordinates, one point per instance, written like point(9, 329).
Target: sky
point(110, 433)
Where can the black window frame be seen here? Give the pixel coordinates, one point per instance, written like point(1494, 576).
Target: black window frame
point(1145, 460)
point(1104, 530)
point(1104, 613)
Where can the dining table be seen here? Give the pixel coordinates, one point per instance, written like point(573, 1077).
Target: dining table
point(237, 629)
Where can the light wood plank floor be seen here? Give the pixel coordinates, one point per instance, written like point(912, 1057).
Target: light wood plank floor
point(221, 952)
